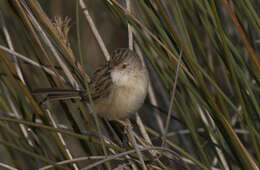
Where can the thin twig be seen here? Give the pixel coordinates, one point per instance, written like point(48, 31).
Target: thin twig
point(68, 152)
point(10, 44)
point(129, 127)
point(94, 30)
point(130, 131)
point(241, 33)
point(19, 73)
point(7, 166)
point(130, 32)
point(122, 166)
point(211, 125)
point(26, 59)
point(171, 102)
point(51, 46)
point(145, 29)
point(126, 153)
point(15, 111)
point(144, 133)
point(153, 76)
point(151, 93)
point(72, 161)
point(105, 159)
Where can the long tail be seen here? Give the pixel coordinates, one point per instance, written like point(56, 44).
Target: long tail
point(59, 94)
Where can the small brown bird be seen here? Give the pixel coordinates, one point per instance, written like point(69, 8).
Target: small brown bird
point(118, 88)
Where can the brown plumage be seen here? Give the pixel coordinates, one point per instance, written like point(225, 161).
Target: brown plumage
point(118, 88)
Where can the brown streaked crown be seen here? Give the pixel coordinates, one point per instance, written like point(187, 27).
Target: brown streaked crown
point(101, 83)
point(120, 55)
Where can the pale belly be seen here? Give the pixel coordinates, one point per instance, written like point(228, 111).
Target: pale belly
point(123, 101)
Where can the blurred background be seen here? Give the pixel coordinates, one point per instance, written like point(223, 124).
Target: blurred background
point(212, 100)
point(113, 33)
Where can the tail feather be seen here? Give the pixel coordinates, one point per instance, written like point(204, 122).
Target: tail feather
point(54, 91)
point(59, 94)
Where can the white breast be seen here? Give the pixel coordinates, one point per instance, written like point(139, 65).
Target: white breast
point(130, 92)
point(120, 78)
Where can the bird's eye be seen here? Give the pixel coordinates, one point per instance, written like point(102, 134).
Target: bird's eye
point(124, 65)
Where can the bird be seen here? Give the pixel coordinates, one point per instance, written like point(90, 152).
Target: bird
point(118, 88)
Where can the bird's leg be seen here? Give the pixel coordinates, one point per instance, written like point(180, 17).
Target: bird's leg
point(127, 125)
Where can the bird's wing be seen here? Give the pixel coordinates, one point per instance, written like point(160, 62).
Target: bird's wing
point(101, 84)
